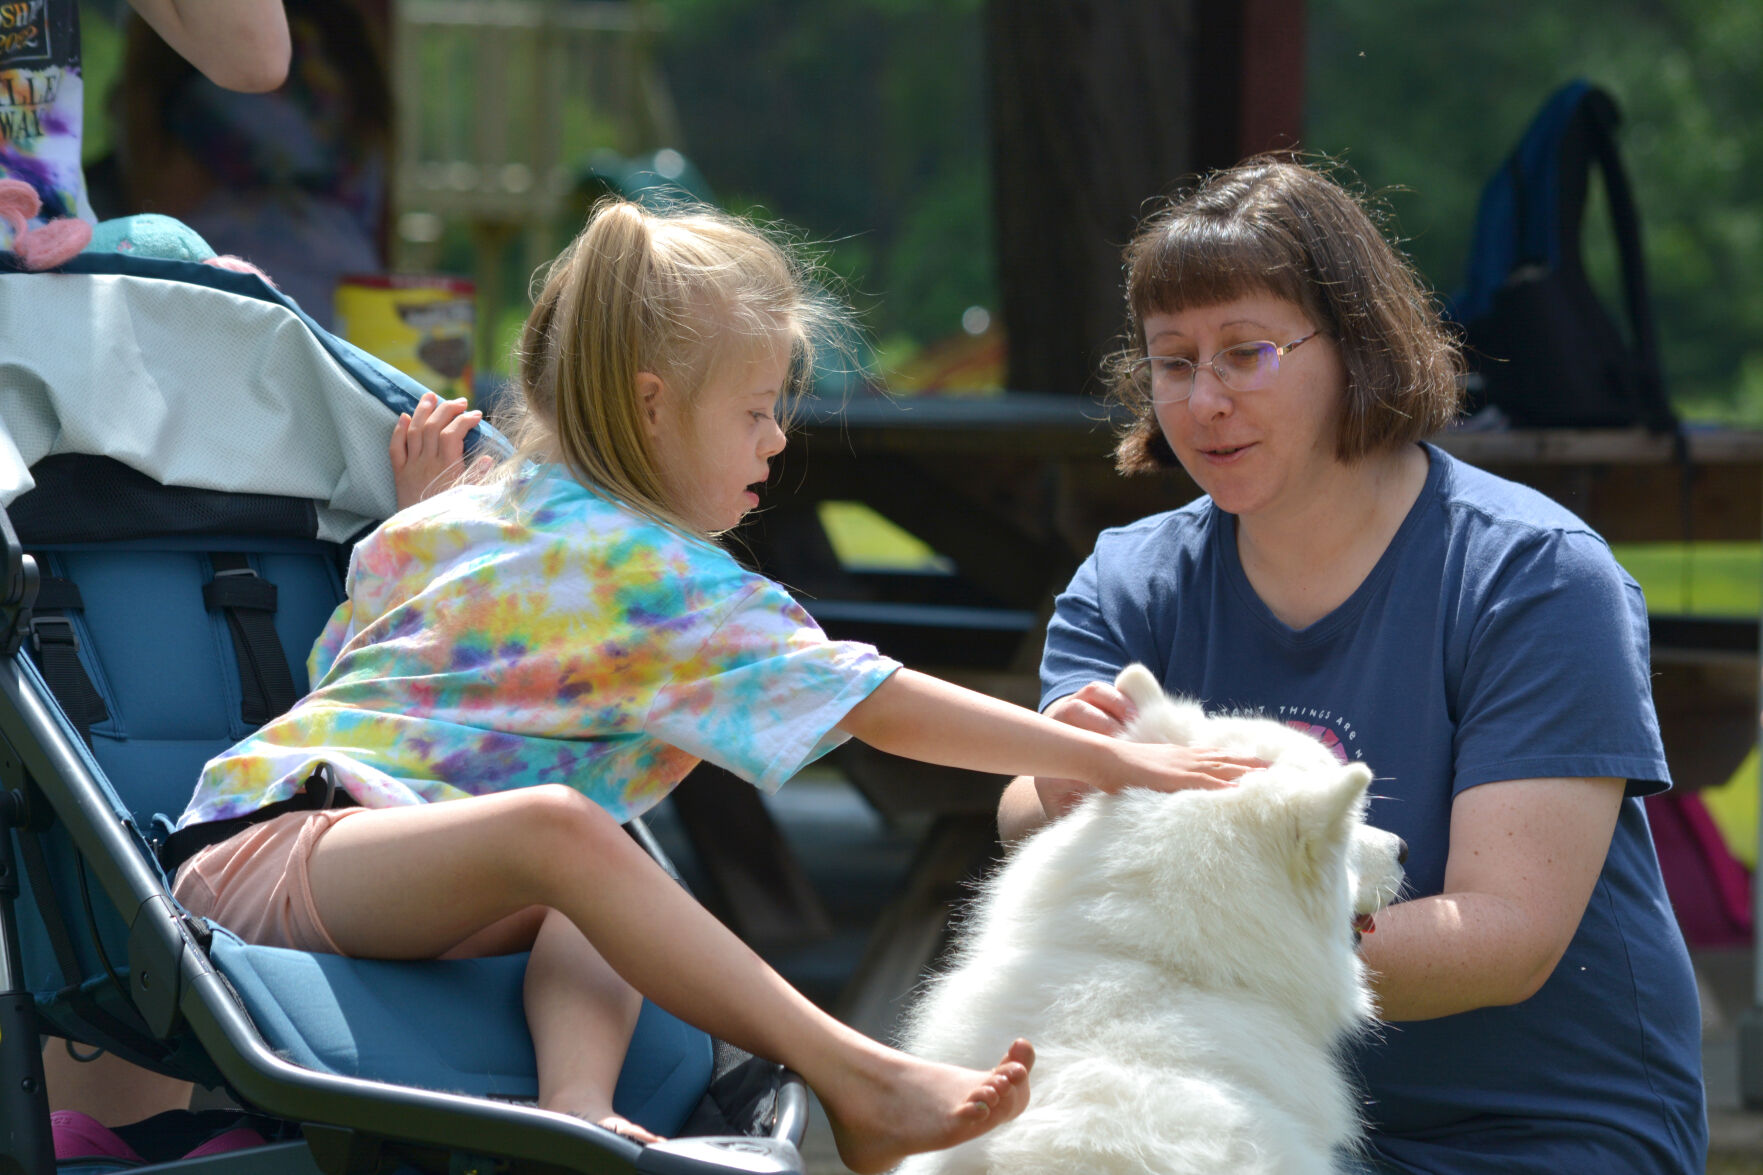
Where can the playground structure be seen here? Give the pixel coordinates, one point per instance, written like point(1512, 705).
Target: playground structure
point(502, 106)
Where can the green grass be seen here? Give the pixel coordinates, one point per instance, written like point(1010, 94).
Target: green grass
point(1699, 579)
point(865, 541)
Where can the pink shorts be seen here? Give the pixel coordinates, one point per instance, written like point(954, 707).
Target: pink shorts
point(256, 884)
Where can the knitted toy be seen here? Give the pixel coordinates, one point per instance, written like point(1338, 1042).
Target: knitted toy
point(45, 246)
point(147, 234)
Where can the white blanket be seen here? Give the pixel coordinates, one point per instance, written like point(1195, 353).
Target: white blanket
point(192, 386)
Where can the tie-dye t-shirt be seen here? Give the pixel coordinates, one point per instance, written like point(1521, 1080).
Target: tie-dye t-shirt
point(42, 105)
point(498, 637)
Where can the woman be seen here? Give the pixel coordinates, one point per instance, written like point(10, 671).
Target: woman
point(1473, 642)
point(293, 180)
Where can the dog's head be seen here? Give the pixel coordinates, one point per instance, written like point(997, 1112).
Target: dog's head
point(1220, 882)
point(1305, 768)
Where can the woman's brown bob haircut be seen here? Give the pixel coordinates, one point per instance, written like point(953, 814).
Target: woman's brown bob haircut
point(1272, 226)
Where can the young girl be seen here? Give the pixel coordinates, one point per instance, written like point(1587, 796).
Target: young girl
point(524, 663)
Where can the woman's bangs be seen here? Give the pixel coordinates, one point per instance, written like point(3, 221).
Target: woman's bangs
point(1205, 262)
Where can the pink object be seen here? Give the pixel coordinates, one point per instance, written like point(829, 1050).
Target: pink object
point(237, 1139)
point(48, 245)
point(81, 1136)
point(18, 203)
point(1710, 890)
point(256, 883)
point(239, 265)
point(52, 244)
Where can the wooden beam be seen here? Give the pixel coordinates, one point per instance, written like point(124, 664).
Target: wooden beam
point(1270, 112)
point(757, 885)
point(1091, 115)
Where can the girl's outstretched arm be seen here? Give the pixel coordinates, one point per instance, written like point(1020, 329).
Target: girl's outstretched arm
point(922, 717)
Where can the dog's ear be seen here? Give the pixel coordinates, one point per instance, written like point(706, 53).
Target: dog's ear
point(1139, 685)
point(1325, 814)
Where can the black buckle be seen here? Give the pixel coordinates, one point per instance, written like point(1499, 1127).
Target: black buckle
point(239, 588)
point(37, 622)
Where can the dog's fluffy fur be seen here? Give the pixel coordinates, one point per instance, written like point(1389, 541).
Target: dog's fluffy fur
point(1184, 964)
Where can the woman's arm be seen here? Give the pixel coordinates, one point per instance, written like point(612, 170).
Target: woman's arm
point(921, 717)
point(1020, 810)
point(237, 44)
point(1524, 857)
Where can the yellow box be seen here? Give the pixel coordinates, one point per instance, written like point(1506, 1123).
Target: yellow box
point(420, 325)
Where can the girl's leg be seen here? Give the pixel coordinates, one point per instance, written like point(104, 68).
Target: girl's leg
point(109, 1088)
point(582, 1016)
point(415, 882)
point(580, 1012)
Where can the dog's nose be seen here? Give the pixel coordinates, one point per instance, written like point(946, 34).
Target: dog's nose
point(1401, 851)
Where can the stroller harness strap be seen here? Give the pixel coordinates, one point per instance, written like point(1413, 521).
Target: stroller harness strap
point(249, 602)
point(57, 648)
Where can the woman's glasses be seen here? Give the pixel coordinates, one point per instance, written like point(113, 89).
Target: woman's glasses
point(1244, 367)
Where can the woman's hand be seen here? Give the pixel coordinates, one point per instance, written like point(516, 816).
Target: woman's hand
point(1098, 706)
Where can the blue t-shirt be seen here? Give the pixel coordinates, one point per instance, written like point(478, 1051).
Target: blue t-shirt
point(1496, 639)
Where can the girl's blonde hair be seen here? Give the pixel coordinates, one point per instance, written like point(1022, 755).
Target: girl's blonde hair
point(684, 292)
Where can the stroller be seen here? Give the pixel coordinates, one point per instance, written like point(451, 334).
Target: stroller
point(185, 458)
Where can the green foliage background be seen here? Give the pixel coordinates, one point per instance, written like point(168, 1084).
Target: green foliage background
point(864, 121)
point(1430, 96)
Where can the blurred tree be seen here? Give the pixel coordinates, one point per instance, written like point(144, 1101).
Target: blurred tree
point(862, 122)
point(1429, 96)
point(1092, 113)
point(866, 123)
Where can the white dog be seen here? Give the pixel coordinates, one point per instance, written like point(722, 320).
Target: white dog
point(1184, 964)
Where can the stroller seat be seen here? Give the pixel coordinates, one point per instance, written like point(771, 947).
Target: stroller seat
point(184, 459)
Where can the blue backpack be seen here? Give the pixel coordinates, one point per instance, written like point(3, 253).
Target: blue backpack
point(1541, 346)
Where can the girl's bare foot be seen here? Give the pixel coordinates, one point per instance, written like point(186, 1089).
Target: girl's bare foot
point(905, 1105)
point(629, 1129)
point(617, 1123)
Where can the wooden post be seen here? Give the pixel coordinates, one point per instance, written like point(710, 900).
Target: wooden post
point(1097, 107)
point(1091, 115)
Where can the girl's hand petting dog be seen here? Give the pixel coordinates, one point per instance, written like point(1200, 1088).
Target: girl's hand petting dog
point(1104, 709)
point(428, 448)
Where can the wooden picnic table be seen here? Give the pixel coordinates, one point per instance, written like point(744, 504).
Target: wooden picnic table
point(1013, 489)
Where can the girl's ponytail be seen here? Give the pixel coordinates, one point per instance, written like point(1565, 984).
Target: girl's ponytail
point(682, 293)
point(599, 421)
